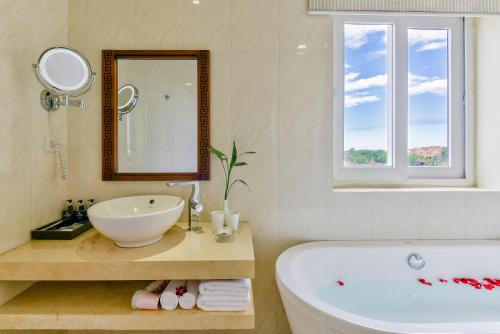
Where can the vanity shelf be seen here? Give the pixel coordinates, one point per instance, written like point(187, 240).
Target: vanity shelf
point(105, 306)
point(93, 257)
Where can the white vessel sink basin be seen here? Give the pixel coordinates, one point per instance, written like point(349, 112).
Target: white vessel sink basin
point(136, 221)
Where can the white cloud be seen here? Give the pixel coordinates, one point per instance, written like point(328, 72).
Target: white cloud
point(360, 89)
point(378, 53)
point(433, 46)
point(428, 39)
point(426, 85)
point(351, 76)
point(355, 100)
point(352, 85)
point(357, 35)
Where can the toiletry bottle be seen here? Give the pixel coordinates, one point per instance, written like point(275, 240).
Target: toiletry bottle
point(69, 211)
point(80, 213)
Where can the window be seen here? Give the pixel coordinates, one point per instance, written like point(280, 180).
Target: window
point(399, 111)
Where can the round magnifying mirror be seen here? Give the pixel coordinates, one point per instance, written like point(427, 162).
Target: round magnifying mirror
point(127, 99)
point(64, 71)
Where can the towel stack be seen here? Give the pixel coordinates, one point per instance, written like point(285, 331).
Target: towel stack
point(224, 295)
point(210, 295)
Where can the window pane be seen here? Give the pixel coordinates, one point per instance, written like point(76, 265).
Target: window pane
point(428, 97)
point(367, 107)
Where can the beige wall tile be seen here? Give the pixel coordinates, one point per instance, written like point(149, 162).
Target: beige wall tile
point(349, 216)
point(442, 215)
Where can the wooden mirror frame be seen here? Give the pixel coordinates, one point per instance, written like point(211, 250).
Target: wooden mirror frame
point(110, 114)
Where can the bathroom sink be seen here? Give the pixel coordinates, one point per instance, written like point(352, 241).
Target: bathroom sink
point(136, 221)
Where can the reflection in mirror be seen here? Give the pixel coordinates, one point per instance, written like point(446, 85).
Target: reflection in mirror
point(161, 135)
point(127, 99)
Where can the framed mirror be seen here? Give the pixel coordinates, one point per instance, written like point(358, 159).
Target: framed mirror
point(156, 115)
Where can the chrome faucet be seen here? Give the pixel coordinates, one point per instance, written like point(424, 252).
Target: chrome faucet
point(195, 207)
point(416, 262)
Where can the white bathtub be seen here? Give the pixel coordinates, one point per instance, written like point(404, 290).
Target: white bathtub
point(382, 294)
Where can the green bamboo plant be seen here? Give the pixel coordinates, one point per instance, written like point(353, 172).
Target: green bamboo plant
point(229, 164)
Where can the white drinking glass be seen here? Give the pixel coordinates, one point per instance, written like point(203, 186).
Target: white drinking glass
point(217, 221)
point(232, 220)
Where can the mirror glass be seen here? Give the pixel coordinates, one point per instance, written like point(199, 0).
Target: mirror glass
point(160, 131)
point(64, 69)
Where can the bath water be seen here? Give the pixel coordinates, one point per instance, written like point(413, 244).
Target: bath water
point(411, 301)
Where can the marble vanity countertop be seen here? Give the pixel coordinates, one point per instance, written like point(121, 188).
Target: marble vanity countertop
point(93, 257)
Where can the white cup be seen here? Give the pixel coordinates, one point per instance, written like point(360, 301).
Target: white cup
point(232, 220)
point(217, 221)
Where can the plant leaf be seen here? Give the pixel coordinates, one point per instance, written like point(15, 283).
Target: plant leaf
point(217, 153)
point(244, 153)
point(236, 181)
point(240, 163)
point(241, 181)
point(234, 154)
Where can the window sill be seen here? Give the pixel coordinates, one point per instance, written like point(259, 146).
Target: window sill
point(379, 182)
point(410, 190)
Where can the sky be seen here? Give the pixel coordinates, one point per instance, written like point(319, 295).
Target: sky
point(366, 87)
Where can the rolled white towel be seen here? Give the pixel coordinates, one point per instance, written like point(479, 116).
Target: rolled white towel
point(223, 303)
point(230, 287)
point(168, 298)
point(188, 300)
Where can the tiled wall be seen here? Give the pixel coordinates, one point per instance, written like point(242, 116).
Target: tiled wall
point(276, 99)
point(31, 192)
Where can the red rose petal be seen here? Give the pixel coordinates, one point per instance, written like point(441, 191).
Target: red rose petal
point(340, 283)
point(456, 280)
point(489, 287)
point(491, 281)
point(423, 281)
point(442, 280)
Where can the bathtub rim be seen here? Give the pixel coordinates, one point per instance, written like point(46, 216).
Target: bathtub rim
point(323, 310)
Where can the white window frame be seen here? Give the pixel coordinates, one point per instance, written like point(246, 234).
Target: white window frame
point(460, 121)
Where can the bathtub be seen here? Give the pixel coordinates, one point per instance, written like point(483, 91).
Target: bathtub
point(369, 287)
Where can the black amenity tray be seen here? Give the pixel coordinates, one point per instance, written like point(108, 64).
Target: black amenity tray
point(53, 230)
